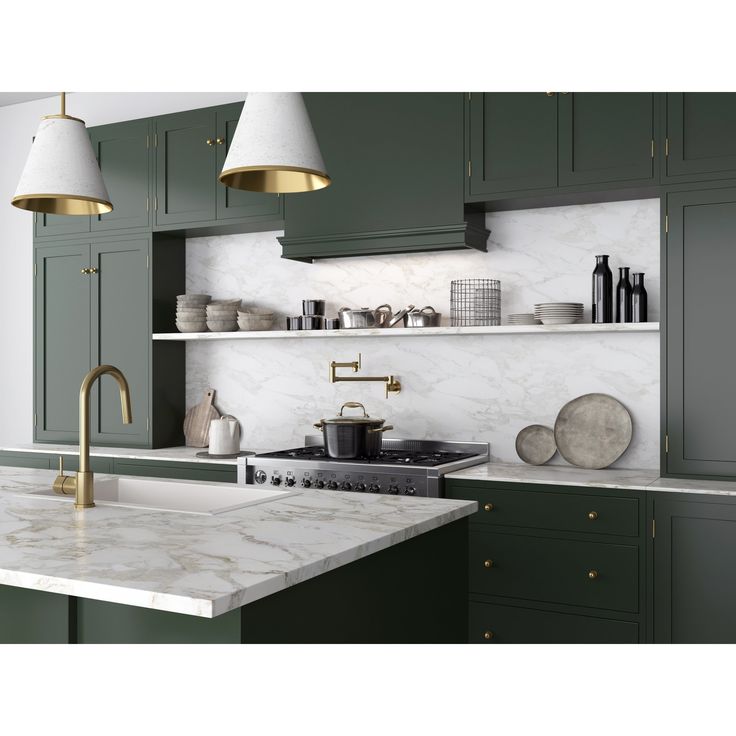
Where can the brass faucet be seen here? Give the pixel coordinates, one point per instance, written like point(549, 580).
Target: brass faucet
point(391, 384)
point(83, 485)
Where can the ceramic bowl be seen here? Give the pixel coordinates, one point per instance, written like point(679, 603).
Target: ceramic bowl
point(193, 299)
point(254, 323)
point(226, 302)
point(255, 312)
point(221, 325)
point(191, 326)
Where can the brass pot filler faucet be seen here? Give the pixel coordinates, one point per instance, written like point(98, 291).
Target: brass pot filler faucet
point(83, 485)
point(392, 385)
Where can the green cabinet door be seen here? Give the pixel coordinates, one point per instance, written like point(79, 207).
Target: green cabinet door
point(512, 142)
point(694, 561)
point(397, 169)
point(122, 150)
point(62, 346)
point(700, 354)
point(121, 336)
point(35, 617)
point(49, 225)
point(235, 203)
point(186, 175)
point(700, 140)
point(606, 138)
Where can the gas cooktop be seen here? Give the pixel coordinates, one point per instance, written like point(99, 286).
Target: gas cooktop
point(416, 458)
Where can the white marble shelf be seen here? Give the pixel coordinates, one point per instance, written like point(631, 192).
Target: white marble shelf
point(410, 332)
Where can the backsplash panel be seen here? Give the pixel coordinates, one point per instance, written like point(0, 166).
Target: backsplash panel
point(457, 387)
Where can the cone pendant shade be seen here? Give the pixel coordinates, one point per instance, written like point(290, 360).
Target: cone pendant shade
point(274, 148)
point(61, 175)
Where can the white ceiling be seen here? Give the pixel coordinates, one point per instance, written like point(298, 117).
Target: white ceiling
point(12, 98)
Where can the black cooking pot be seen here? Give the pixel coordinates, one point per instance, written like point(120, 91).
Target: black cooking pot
point(347, 438)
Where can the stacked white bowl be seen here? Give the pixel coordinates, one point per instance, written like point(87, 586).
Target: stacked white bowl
point(191, 315)
point(559, 313)
point(222, 315)
point(254, 319)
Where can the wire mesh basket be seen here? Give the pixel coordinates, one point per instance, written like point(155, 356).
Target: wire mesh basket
point(475, 302)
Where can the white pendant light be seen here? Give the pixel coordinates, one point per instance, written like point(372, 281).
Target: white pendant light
point(61, 175)
point(274, 148)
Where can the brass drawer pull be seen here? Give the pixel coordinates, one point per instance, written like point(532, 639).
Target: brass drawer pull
point(592, 515)
point(210, 142)
point(219, 141)
point(488, 635)
point(550, 94)
point(592, 574)
point(488, 507)
point(488, 563)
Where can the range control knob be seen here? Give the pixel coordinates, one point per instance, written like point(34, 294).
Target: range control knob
point(319, 483)
point(393, 490)
point(332, 485)
point(275, 480)
point(374, 488)
point(360, 487)
point(410, 490)
point(347, 486)
point(306, 483)
point(290, 481)
point(260, 476)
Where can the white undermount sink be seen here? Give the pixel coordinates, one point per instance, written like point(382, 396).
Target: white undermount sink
point(187, 497)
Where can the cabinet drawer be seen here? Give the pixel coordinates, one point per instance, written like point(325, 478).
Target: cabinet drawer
point(556, 511)
point(492, 624)
point(207, 472)
point(589, 574)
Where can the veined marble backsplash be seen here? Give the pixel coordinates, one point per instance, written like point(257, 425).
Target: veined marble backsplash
point(456, 387)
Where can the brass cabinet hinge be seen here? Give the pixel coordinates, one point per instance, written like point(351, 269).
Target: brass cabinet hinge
point(35, 269)
point(652, 147)
point(470, 169)
point(155, 204)
point(155, 140)
point(654, 528)
point(666, 444)
point(148, 261)
point(148, 141)
point(148, 424)
point(666, 147)
point(147, 204)
point(470, 96)
point(35, 420)
point(666, 223)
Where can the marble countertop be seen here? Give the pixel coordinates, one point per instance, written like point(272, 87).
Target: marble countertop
point(175, 454)
point(641, 480)
point(197, 565)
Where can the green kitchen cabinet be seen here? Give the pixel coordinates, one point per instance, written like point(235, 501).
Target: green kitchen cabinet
point(512, 143)
point(45, 226)
point(606, 138)
point(699, 401)
point(206, 472)
point(35, 617)
point(554, 564)
point(694, 561)
point(123, 152)
point(26, 460)
point(397, 169)
point(97, 302)
point(700, 144)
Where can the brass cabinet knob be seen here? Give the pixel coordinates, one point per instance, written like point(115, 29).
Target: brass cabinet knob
point(210, 141)
point(592, 515)
point(84, 271)
point(488, 507)
point(592, 574)
point(219, 141)
point(550, 94)
point(487, 635)
point(488, 563)
point(92, 270)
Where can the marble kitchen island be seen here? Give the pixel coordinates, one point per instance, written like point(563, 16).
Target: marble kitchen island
point(317, 566)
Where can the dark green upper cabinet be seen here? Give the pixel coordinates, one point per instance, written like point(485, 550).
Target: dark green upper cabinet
point(701, 144)
point(122, 150)
point(512, 142)
point(694, 558)
point(236, 203)
point(397, 169)
point(606, 138)
point(700, 353)
point(62, 347)
point(185, 167)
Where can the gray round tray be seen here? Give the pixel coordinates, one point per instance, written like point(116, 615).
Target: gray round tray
point(535, 444)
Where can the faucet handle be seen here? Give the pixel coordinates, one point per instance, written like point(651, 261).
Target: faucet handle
point(64, 484)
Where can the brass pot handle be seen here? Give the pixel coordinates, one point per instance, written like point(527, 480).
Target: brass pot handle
point(380, 429)
point(353, 405)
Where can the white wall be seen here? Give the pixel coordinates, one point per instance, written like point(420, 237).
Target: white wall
point(469, 388)
point(18, 125)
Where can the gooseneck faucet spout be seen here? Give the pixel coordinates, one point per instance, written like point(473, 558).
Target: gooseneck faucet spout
point(83, 484)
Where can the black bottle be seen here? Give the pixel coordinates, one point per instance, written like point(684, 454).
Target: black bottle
point(602, 291)
point(623, 296)
point(638, 299)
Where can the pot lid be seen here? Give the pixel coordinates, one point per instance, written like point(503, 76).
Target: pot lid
point(341, 419)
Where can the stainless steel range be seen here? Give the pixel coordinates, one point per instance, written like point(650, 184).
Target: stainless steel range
point(404, 467)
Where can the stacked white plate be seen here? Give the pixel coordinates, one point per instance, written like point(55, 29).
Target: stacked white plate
point(522, 319)
point(222, 315)
point(191, 314)
point(559, 313)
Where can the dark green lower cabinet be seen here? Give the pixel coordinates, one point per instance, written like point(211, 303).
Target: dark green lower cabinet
point(494, 624)
point(35, 617)
point(178, 470)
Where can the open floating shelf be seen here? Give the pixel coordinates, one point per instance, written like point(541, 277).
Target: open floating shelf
point(409, 332)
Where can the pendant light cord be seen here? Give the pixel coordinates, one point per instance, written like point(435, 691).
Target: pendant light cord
point(63, 103)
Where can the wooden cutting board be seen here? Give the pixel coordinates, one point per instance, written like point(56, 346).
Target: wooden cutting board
point(197, 421)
